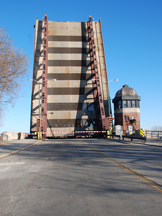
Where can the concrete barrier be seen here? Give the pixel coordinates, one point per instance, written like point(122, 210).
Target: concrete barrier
point(13, 135)
point(21, 135)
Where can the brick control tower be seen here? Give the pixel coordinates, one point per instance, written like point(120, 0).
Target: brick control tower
point(127, 109)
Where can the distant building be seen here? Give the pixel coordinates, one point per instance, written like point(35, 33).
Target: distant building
point(127, 109)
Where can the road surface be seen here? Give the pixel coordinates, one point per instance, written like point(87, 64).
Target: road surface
point(77, 177)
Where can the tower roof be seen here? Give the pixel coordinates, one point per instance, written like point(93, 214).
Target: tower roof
point(125, 90)
point(126, 93)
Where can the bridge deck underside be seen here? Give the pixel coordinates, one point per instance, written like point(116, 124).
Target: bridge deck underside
point(70, 99)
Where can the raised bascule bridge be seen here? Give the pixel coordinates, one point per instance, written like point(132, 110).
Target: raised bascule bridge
point(70, 93)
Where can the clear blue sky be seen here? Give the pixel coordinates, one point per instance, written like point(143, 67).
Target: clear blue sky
point(132, 32)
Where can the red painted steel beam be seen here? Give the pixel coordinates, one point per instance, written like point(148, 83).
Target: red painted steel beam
point(94, 69)
point(31, 117)
point(105, 69)
point(44, 78)
point(91, 46)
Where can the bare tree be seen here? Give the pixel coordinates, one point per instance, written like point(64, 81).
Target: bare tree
point(156, 128)
point(13, 67)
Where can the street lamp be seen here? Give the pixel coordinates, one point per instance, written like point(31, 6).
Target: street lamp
point(113, 80)
point(109, 103)
point(39, 100)
point(105, 82)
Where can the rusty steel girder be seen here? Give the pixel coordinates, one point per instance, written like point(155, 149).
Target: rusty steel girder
point(96, 83)
point(44, 78)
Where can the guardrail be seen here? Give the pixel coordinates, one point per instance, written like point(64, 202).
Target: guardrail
point(148, 134)
point(135, 137)
point(72, 132)
point(113, 135)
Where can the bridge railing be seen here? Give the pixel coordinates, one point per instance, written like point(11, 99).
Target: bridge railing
point(153, 134)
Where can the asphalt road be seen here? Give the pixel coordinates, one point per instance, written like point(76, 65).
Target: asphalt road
point(80, 177)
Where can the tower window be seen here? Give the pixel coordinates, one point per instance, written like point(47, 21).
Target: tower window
point(129, 103)
point(137, 103)
point(126, 118)
point(119, 104)
point(124, 103)
point(133, 103)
